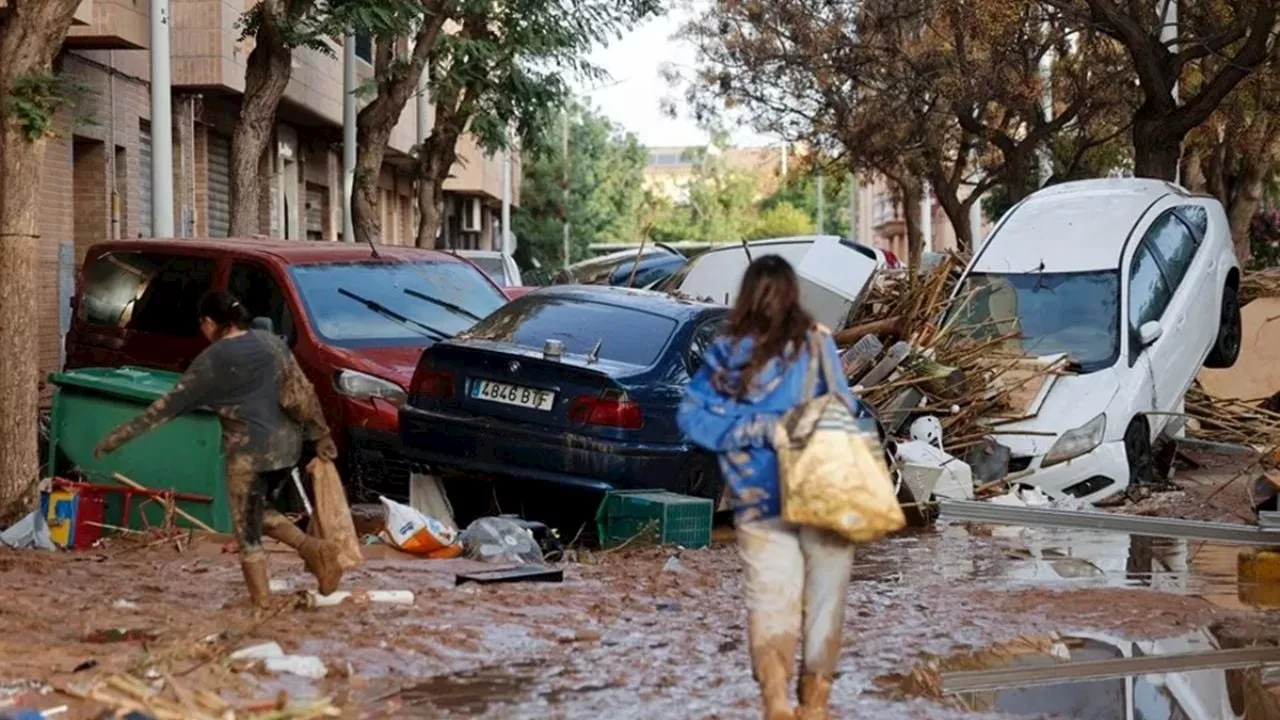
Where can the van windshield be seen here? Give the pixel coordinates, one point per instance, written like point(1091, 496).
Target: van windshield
point(1045, 314)
point(380, 303)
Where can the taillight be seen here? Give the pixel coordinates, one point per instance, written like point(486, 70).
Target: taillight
point(432, 384)
point(609, 411)
point(891, 259)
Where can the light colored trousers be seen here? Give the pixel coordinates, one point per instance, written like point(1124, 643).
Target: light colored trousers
point(796, 582)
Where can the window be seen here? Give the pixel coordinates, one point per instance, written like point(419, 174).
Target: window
point(1172, 242)
point(1149, 294)
point(369, 303)
point(146, 292)
point(626, 335)
point(262, 297)
point(364, 48)
point(702, 338)
point(1197, 217)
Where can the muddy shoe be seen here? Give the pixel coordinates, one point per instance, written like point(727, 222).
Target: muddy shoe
point(815, 696)
point(772, 673)
point(254, 567)
point(321, 558)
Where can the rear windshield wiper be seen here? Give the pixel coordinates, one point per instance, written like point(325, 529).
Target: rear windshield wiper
point(458, 309)
point(387, 312)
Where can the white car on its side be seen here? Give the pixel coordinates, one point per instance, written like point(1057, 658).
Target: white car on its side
point(1136, 281)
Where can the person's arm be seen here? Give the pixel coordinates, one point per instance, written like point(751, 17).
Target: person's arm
point(714, 422)
point(191, 391)
point(299, 400)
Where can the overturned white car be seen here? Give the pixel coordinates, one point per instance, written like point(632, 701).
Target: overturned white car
point(1135, 281)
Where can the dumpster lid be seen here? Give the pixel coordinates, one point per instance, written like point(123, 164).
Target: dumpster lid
point(130, 382)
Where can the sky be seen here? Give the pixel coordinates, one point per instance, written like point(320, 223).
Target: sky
point(633, 95)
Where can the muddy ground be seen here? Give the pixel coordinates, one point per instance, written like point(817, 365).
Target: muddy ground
point(624, 636)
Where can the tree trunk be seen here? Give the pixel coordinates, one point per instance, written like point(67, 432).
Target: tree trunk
point(266, 76)
point(957, 212)
point(1021, 174)
point(912, 193)
point(30, 37)
point(378, 119)
point(1157, 149)
point(1246, 198)
point(431, 198)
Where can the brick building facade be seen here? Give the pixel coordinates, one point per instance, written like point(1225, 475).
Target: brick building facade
point(96, 183)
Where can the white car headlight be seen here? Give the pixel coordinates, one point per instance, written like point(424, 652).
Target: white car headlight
point(1075, 443)
point(366, 387)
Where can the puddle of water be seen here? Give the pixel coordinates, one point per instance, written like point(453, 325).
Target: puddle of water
point(1229, 576)
point(476, 692)
point(1097, 677)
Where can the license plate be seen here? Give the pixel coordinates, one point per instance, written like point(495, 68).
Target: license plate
point(531, 398)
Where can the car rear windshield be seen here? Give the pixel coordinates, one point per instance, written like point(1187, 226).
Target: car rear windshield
point(1043, 314)
point(492, 266)
point(373, 303)
point(626, 335)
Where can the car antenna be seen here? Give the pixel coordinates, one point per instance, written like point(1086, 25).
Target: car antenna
point(594, 355)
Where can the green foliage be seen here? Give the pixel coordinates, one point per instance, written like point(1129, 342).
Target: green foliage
point(802, 193)
point(606, 184)
point(512, 61)
point(783, 220)
point(1264, 240)
point(35, 99)
point(717, 205)
point(309, 23)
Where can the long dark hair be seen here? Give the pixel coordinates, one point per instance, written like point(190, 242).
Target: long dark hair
point(768, 311)
point(224, 310)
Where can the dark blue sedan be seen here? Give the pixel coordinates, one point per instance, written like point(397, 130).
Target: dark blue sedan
point(576, 385)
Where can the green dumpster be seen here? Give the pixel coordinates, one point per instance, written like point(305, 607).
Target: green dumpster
point(184, 455)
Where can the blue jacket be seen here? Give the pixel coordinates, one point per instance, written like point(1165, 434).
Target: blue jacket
point(741, 431)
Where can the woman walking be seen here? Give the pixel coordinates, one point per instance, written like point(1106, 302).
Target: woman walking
point(796, 577)
point(266, 407)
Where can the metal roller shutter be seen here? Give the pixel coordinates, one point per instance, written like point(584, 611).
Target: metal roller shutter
point(219, 185)
point(144, 181)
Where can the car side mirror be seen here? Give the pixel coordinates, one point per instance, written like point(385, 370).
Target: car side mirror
point(1149, 333)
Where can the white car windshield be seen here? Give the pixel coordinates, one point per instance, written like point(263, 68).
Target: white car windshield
point(1047, 313)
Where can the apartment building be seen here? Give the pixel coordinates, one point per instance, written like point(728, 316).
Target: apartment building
point(670, 169)
point(882, 220)
point(97, 178)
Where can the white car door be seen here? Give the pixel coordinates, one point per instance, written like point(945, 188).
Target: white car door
point(1160, 290)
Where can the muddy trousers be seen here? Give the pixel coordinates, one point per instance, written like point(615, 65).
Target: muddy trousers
point(796, 583)
point(250, 496)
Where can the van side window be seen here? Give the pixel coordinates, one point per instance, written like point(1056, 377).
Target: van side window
point(147, 292)
point(262, 297)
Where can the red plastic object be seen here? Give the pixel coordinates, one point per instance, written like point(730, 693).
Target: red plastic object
point(91, 508)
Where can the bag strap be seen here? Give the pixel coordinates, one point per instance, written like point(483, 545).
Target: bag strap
point(828, 372)
point(811, 372)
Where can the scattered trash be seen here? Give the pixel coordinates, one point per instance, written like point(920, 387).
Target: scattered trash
point(500, 540)
point(954, 478)
point(307, 666)
point(129, 698)
point(31, 532)
point(274, 659)
point(528, 573)
point(673, 565)
point(390, 597)
point(123, 604)
point(667, 607)
point(86, 665)
point(258, 652)
point(280, 585)
point(114, 635)
point(427, 496)
point(413, 532)
point(547, 538)
point(1023, 496)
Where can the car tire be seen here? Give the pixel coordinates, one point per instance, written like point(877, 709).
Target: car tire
point(1137, 450)
point(1226, 348)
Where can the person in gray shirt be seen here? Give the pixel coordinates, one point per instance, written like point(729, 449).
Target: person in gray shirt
point(267, 408)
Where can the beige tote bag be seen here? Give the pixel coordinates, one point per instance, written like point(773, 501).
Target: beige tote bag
point(833, 475)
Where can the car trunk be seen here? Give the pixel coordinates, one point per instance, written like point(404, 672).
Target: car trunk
point(513, 383)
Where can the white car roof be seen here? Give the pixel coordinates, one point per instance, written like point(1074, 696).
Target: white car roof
point(1072, 227)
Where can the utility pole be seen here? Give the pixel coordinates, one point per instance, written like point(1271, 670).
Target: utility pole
point(348, 134)
point(1169, 37)
point(1046, 105)
point(161, 123)
point(822, 205)
point(853, 207)
point(926, 216)
point(565, 181)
